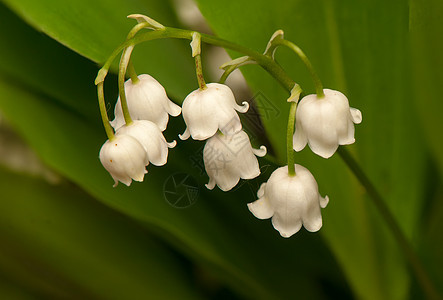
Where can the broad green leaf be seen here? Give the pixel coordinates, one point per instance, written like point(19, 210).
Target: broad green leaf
point(357, 47)
point(57, 242)
point(427, 45)
point(94, 29)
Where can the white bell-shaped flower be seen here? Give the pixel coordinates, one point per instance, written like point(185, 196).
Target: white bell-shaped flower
point(228, 158)
point(151, 138)
point(124, 158)
point(147, 100)
point(291, 201)
point(325, 123)
point(214, 108)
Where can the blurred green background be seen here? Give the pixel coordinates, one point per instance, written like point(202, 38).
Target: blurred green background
point(65, 233)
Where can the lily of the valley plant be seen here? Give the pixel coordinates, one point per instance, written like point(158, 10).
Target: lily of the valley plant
point(291, 196)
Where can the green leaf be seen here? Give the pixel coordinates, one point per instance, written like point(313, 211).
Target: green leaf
point(427, 46)
point(57, 242)
point(95, 28)
point(358, 48)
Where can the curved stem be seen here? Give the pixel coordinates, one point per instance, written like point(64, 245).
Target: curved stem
point(289, 140)
point(124, 61)
point(306, 61)
point(132, 73)
point(104, 114)
point(226, 73)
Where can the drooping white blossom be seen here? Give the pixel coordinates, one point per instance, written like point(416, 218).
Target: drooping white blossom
point(147, 100)
point(325, 123)
point(228, 158)
point(291, 201)
point(151, 138)
point(124, 158)
point(211, 109)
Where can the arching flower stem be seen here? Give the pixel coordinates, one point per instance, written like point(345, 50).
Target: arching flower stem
point(306, 61)
point(104, 115)
point(124, 61)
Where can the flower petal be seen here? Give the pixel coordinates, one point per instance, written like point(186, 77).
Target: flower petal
point(325, 147)
point(356, 115)
point(323, 201)
point(286, 227)
point(260, 152)
point(185, 135)
point(261, 209)
point(312, 217)
point(211, 184)
point(242, 108)
point(299, 139)
point(172, 108)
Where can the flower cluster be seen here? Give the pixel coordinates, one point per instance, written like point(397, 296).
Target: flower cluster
point(290, 196)
point(140, 142)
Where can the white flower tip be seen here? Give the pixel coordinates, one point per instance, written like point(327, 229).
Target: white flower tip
point(356, 115)
point(242, 108)
point(322, 150)
point(260, 209)
point(173, 109)
point(171, 144)
point(299, 140)
point(211, 184)
point(140, 177)
point(185, 135)
point(285, 234)
point(324, 201)
point(260, 152)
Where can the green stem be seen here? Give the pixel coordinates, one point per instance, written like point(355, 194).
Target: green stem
point(199, 72)
point(104, 114)
point(124, 61)
point(132, 73)
point(289, 139)
point(226, 73)
point(267, 63)
point(306, 61)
